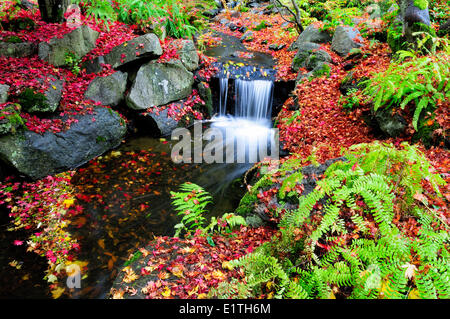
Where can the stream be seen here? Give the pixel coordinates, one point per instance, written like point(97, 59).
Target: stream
point(125, 194)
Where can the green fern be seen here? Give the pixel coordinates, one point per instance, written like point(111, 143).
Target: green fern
point(356, 247)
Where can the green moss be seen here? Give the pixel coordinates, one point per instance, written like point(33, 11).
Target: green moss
point(322, 69)
point(264, 24)
point(247, 202)
point(13, 39)
point(421, 4)
point(10, 119)
point(32, 101)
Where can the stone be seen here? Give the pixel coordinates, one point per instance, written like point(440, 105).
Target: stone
point(310, 34)
point(303, 52)
point(33, 102)
point(374, 11)
point(143, 47)
point(391, 125)
point(344, 39)
point(315, 58)
point(156, 124)
point(4, 93)
point(78, 42)
point(36, 156)
point(188, 55)
point(17, 50)
point(204, 90)
point(158, 84)
point(247, 36)
point(108, 90)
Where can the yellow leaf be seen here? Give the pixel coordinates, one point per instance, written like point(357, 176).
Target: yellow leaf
point(414, 294)
point(227, 265)
point(202, 296)
point(68, 202)
point(166, 292)
point(101, 243)
point(130, 275)
point(56, 293)
point(118, 294)
point(217, 274)
point(193, 291)
point(177, 271)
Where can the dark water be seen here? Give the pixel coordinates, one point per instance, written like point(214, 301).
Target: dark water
point(126, 199)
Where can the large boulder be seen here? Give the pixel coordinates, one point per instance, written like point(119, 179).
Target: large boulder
point(344, 39)
point(157, 84)
point(144, 47)
point(77, 42)
point(304, 49)
point(37, 156)
point(188, 55)
point(157, 123)
point(414, 11)
point(48, 102)
point(17, 50)
point(310, 34)
point(108, 90)
point(4, 93)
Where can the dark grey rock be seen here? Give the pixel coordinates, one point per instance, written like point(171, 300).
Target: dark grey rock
point(158, 84)
point(247, 36)
point(303, 52)
point(4, 93)
point(311, 34)
point(108, 90)
point(52, 94)
point(17, 50)
point(412, 14)
point(157, 124)
point(344, 39)
point(188, 55)
point(314, 59)
point(37, 156)
point(389, 124)
point(78, 42)
point(94, 65)
point(143, 47)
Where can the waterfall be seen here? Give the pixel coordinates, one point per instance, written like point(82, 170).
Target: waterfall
point(253, 99)
point(223, 96)
point(247, 134)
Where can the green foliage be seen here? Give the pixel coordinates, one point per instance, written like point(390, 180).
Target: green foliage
point(340, 16)
point(422, 80)
point(225, 224)
point(358, 245)
point(421, 4)
point(73, 62)
point(350, 100)
point(10, 119)
point(263, 25)
point(190, 203)
point(29, 99)
point(179, 19)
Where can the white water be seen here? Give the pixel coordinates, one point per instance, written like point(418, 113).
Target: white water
point(250, 126)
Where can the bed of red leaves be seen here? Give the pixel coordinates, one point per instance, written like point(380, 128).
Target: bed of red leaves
point(187, 268)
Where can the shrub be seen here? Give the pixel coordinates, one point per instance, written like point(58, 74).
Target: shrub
point(412, 79)
point(376, 236)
